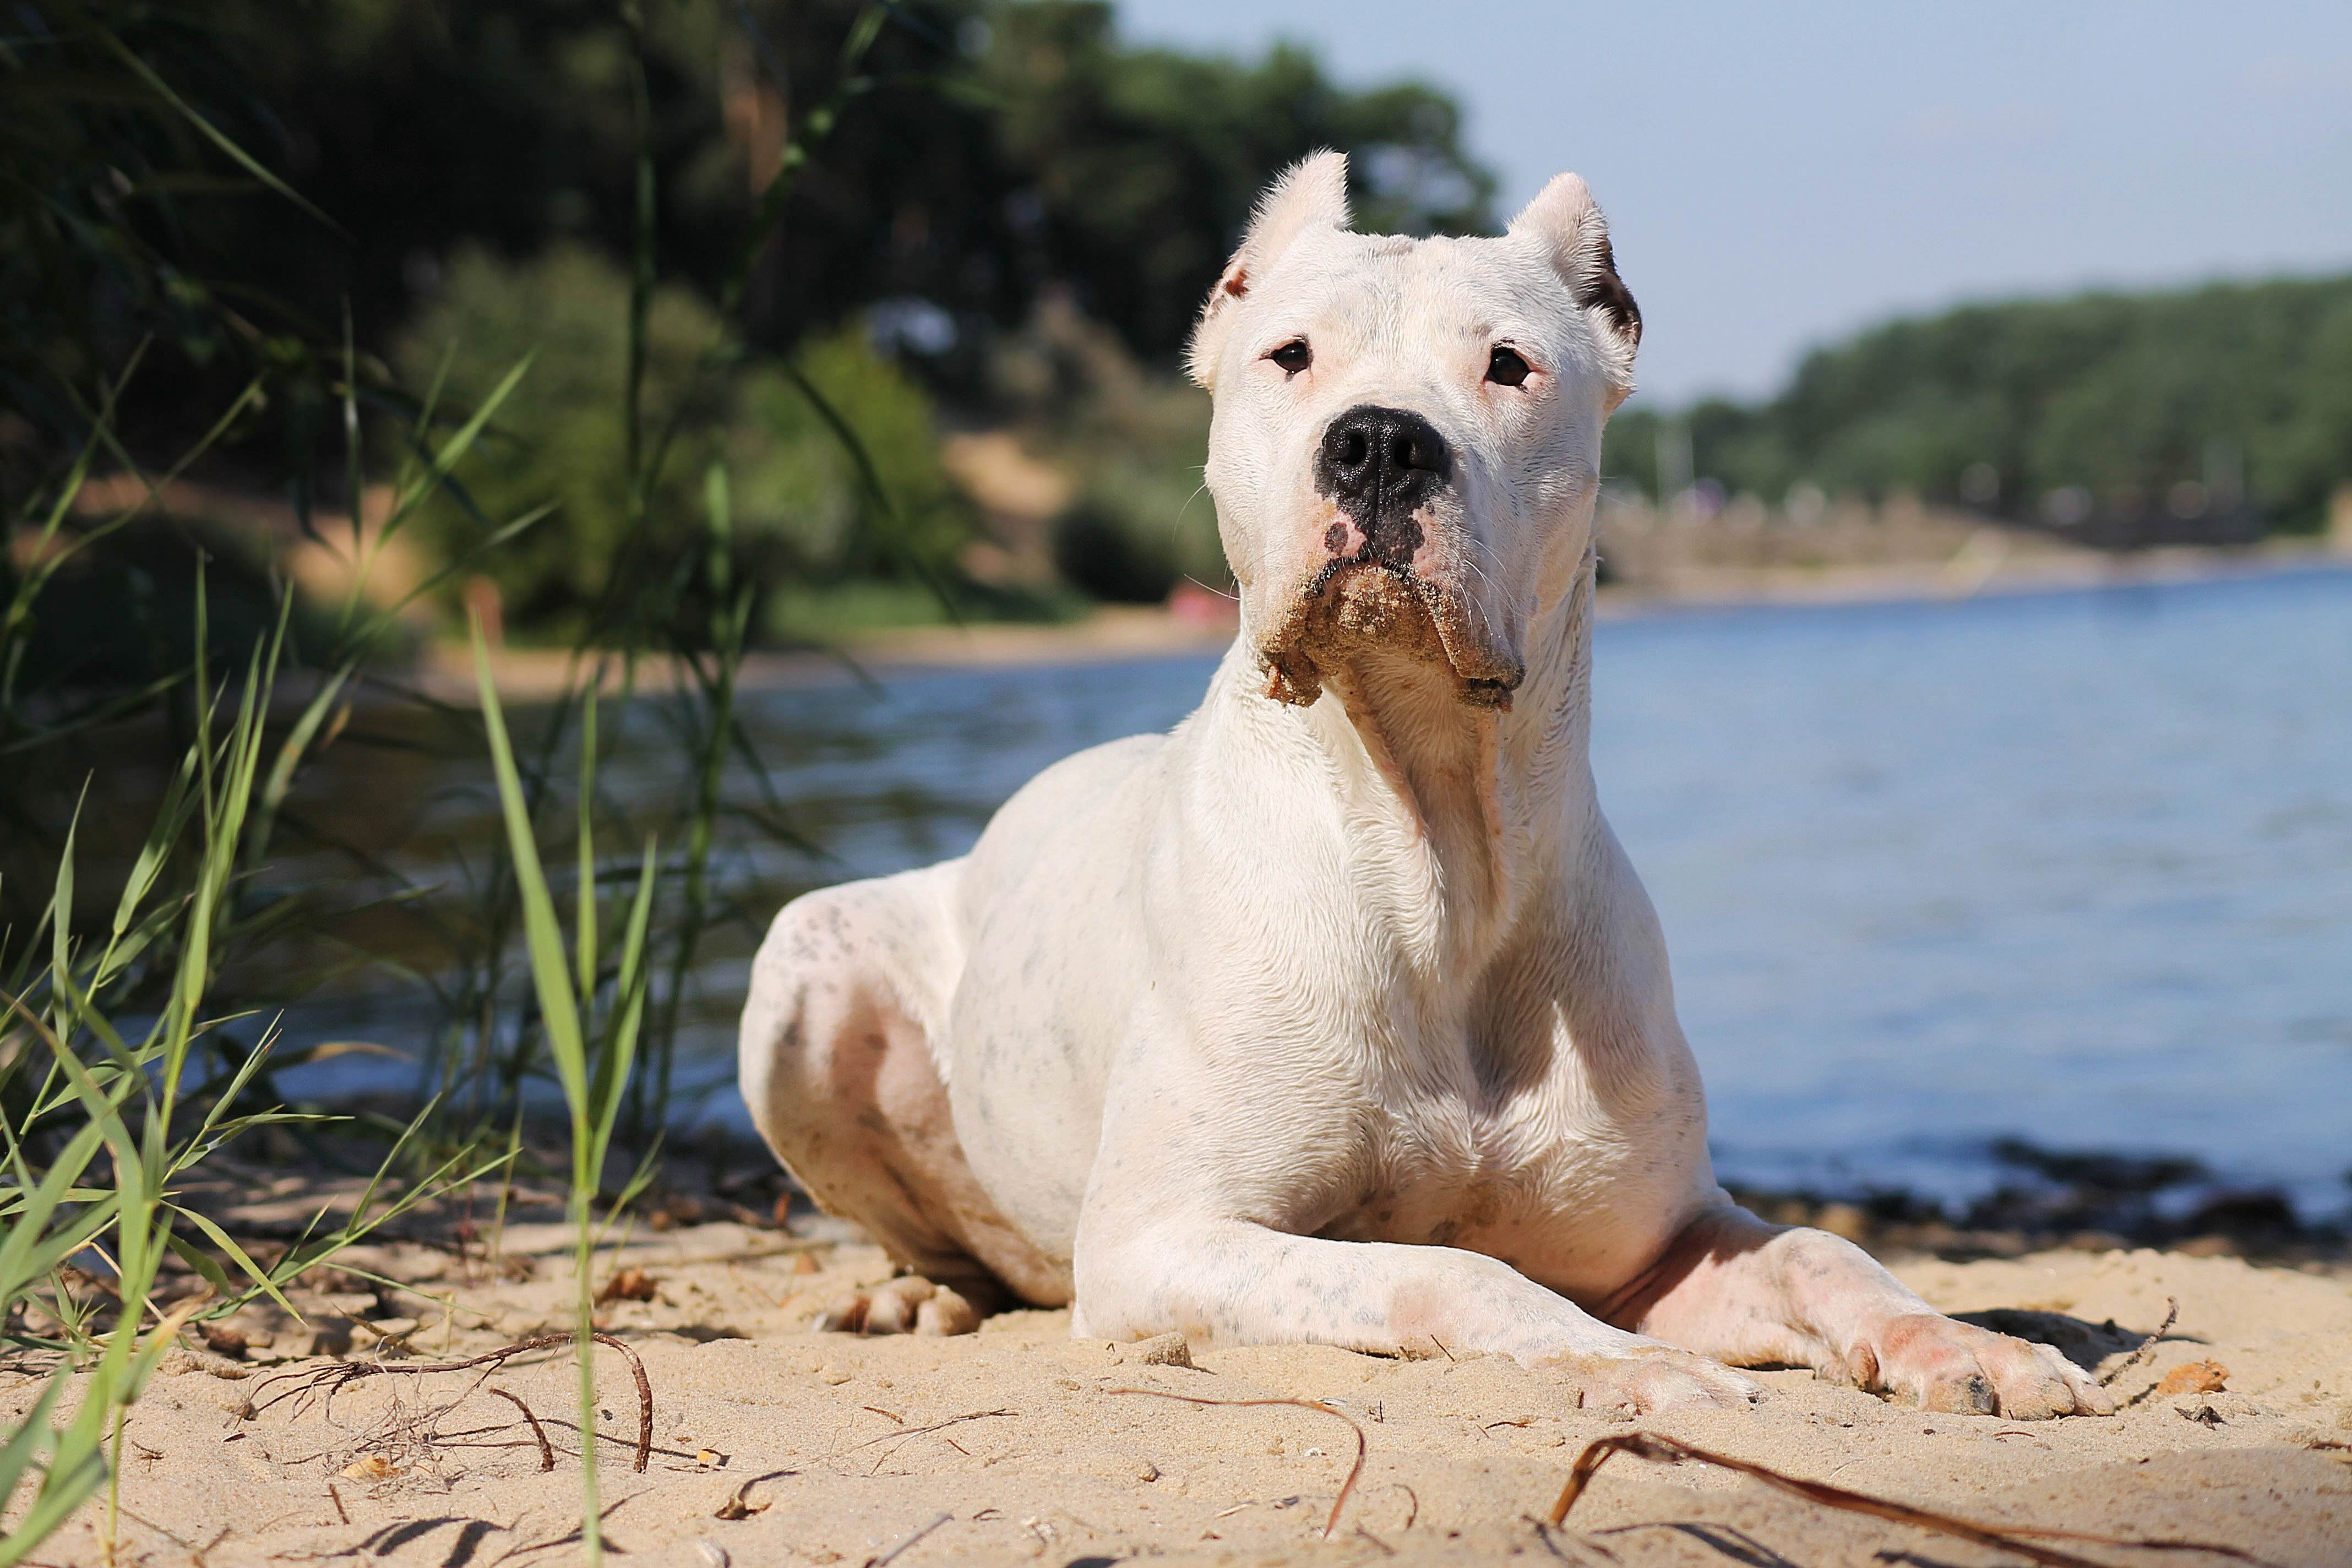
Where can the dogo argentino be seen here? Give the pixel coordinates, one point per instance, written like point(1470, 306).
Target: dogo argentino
point(1338, 1013)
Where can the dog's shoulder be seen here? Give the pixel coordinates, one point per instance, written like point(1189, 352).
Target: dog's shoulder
point(1098, 794)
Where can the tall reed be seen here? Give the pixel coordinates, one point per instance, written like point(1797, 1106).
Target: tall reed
point(593, 1075)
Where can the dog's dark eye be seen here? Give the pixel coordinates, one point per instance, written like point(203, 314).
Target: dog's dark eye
point(1292, 356)
point(1505, 368)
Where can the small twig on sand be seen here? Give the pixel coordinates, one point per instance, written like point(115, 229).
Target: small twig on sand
point(886, 1558)
point(897, 1439)
point(1354, 1470)
point(2146, 1346)
point(331, 1380)
point(2018, 1539)
point(546, 1449)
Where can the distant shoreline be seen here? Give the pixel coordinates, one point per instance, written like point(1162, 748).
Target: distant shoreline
point(1121, 632)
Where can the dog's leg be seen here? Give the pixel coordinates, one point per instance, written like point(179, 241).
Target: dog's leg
point(1748, 1293)
point(838, 1072)
point(1233, 1282)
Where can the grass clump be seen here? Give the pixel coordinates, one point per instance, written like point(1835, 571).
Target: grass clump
point(593, 1062)
point(81, 1268)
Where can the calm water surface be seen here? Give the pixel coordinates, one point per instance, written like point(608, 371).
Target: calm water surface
point(2075, 868)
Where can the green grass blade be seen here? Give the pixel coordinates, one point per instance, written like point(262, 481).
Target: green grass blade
point(290, 757)
point(170, 818)
point(482, 551)
point(550, 977)
point(63, 1487)
point(205, 127)
point(61, 903)
point(585, 928)
point(460, 442)
point(252, 1271)
point(620, 1054)
point(33, 1435)
point(29, 1254)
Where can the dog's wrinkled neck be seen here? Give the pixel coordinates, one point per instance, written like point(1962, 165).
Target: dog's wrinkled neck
point(1483, 790)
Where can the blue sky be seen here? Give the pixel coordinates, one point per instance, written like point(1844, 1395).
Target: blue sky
point(1775, 176)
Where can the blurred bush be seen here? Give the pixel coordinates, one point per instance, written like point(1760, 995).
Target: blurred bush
point(141, 582)
point(798, 483)
point(802, 510)
point(560, 439)
point(1137, 529)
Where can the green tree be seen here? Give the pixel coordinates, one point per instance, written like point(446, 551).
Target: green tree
point(2125, 396)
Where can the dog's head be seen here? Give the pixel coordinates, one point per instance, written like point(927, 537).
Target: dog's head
point(1406, 447)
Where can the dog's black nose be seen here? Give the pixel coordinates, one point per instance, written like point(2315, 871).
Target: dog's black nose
point(1379, 465)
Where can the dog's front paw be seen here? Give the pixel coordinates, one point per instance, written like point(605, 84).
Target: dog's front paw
point(1944, 1365)
point(1643, 1382)
point(908, 1305)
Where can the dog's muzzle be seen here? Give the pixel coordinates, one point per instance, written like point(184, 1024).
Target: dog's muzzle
point(1390, 572)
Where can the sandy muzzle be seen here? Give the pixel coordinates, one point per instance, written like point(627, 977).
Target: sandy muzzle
point(1354, 608)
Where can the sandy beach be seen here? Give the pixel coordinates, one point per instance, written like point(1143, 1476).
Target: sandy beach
point(771, 1442)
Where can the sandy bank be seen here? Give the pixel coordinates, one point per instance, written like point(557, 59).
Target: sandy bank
point(1119, 632)
point(1017, 1443)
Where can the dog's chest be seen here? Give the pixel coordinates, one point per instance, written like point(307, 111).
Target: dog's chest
point(1573, 1180)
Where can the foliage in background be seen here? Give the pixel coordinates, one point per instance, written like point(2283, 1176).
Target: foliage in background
point(803, 511)
point(796, 483)
point(124, 181)
point(1001, 150)
point(1136, 167)
point(2125, 396)
point(568, 314)
point(119, 180)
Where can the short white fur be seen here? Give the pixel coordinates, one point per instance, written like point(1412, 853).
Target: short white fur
point(1342, 1018)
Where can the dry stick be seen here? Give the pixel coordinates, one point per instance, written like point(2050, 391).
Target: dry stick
point(886, 1558)
point(546, 1448)
point(1354, 1470)
point(1663, 1450)
point(2146, 1346)
point(333, 1378)
point(900, 1438)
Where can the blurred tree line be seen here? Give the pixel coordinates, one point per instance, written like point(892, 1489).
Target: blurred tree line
point(258, 189)
point(469, 179)
point(998, 149)
point(2124, 398)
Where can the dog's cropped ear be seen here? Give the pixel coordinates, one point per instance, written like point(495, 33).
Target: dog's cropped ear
point(1574, 235)
point(1311, 194)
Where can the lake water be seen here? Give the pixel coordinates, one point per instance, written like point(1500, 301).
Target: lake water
point(2075, 868)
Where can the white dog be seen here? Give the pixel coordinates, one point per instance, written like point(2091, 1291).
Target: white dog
point(1338, 1015)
